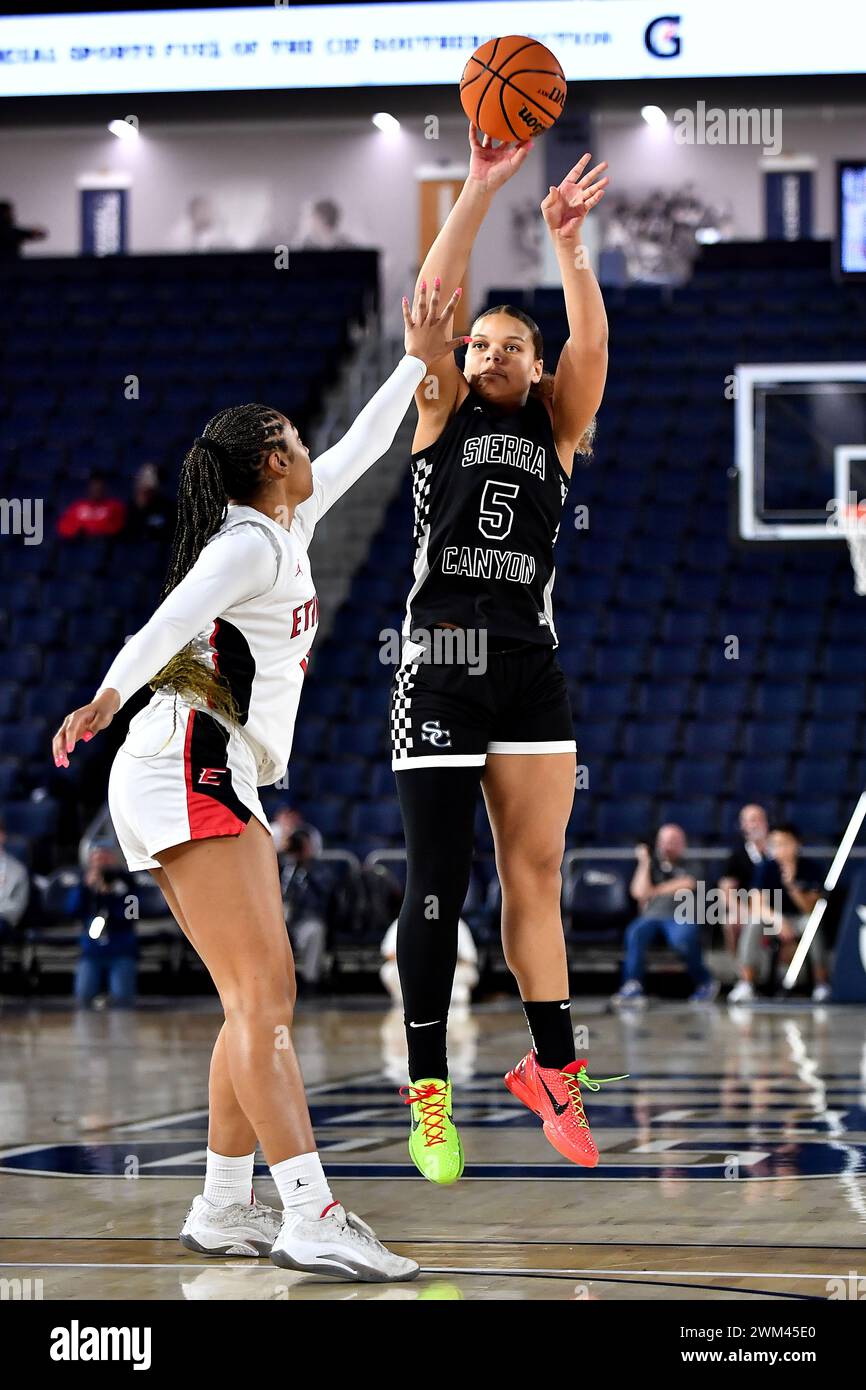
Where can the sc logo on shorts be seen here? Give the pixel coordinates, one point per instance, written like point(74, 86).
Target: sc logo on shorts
point(662, 38)
point(432, 732)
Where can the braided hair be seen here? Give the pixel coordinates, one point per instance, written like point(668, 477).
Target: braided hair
point(543, 389)
point(224, 462)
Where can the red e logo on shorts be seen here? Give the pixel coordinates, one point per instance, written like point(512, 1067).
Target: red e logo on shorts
point(210, 776)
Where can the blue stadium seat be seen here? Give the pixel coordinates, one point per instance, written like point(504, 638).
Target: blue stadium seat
point(821, 778)
point(699, 777)
point(623, 821)
point(33, 819)
point(754, 780)
point(631, 778)
point(829, 736)
point(840, 699)
point(652, 738)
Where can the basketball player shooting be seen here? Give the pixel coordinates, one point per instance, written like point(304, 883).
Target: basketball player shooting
point(492, 457)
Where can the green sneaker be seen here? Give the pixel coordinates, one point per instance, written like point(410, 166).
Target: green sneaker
point(434, 1144)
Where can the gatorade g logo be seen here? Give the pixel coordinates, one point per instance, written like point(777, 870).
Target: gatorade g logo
point(661, 36)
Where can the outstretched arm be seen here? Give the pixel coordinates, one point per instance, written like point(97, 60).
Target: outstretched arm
point(448, 257)
point(427, 337)
point(233, 567)
point(582, 367)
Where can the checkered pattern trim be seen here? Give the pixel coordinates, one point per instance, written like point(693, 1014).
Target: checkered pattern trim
point(421, 471)
point(401, 719)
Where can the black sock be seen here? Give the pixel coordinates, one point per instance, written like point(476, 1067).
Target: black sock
point(438, 809)
point(551, 1032)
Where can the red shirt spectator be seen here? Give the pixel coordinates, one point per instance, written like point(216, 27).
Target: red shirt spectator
point(93, 515)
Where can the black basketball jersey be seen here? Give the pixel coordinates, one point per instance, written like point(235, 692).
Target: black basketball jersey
point(488, 498)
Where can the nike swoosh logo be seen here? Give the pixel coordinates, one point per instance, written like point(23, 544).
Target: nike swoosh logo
point(560, 1109)
point(425, 1025)
point(566, 1005)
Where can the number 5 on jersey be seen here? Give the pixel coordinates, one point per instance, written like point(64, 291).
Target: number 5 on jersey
point(496, 517)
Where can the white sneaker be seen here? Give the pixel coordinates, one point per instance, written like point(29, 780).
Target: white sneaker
point(742, 993)
point(821, 994)
point(631, 995)
point(340, 1244)
point(240, 1229)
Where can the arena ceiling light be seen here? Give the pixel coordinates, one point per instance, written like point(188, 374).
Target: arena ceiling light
point(124, 130)
point(386, 122)
point(654, 115)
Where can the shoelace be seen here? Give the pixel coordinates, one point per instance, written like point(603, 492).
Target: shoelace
point(573, 1082)
point(431, 1103)
point(260, 1212)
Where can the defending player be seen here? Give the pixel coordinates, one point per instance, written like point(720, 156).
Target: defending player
point(226, 653)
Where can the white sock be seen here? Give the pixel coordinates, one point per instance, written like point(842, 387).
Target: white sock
point(302, 1185)
point(228, 1180)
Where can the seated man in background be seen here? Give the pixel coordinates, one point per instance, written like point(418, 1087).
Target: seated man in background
point(109, 946)
point(665, 891)
point(287, 822)
point(14, 887)
point(96, 514)
point(785, 889)
point(306, 892)
point(743, 863)
point(149, 515)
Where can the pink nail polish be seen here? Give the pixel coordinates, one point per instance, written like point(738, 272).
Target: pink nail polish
point(57, 762)
point(436, 283)
point(87, 737)
point(423, 284)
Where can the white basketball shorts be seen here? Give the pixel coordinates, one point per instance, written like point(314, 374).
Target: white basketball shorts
point(180, 775)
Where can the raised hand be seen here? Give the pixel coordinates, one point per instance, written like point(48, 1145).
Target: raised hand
point(566, 206)
point(493, 167)
point(428, 332)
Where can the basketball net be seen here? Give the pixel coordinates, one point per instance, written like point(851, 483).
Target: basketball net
point(852, 524)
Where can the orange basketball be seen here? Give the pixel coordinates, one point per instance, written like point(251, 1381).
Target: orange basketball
point(512, 88)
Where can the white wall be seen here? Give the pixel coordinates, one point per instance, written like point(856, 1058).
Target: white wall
point(259, 176)
point(269, 172)
point(643, 158)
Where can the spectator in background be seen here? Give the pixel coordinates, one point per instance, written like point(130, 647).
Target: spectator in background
point(97, 514)
point(321, 228)
point(149, 515)
point(109, 946)
point(12, 237)
point(286, 823)
point(661, 885)
point(785, 889)
point(306, 892)
point(743, 863)
point(465, 975)
point(14, 887)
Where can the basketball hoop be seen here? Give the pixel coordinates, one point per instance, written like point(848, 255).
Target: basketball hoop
point(852, 525)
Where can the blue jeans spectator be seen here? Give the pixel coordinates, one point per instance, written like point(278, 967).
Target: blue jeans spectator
point(120, 973)
point(682, 937)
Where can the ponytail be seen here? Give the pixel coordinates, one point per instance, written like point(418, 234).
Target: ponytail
point(225, 461)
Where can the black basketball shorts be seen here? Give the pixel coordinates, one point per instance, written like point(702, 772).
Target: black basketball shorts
point(450, 716)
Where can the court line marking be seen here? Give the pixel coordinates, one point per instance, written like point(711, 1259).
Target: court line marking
point(457, 1240)
point(451, 1269)
point(414, 1177)
point(517, 1273)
